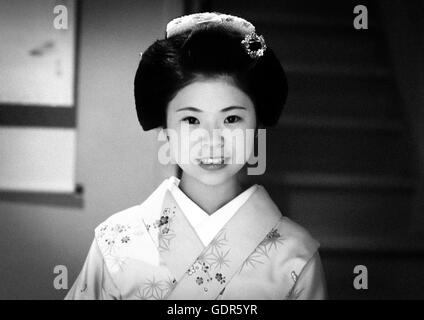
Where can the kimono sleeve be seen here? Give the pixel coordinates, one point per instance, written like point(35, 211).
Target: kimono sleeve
point(94, 281)
point(311, 284)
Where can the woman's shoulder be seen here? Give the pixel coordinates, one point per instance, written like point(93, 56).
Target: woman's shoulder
point(297, 238)
point(294, 246)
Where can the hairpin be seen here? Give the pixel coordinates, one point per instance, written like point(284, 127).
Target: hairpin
point(251, 41)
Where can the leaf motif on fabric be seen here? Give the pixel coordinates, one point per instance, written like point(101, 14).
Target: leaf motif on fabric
point(219, 259)
point(218, 242)
point(152, 290)
point(271, 241)
point(165, 240)
point(170, 284)
point(115, 262)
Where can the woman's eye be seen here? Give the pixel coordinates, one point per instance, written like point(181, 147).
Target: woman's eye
point(232, 119)
point(191, 120)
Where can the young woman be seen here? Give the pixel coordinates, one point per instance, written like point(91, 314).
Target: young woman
point(202, 236)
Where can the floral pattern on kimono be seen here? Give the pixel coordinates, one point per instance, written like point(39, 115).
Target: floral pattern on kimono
point(208, 265)
point(150, 251)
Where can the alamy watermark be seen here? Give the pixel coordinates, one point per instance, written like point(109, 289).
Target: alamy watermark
point(60, 21)
point(361, 20)
point(61, 280)
point(360, 282)
point(230, 146)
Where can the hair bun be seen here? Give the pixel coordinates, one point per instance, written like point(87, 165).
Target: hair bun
point(193, 21)
point(214, 48)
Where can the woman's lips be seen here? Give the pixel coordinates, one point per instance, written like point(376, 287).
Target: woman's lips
point(213, 163)
point(212, 160)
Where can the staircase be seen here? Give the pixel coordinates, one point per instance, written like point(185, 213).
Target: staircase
point(340, 162)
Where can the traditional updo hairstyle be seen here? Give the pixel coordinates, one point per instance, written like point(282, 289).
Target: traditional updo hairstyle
point(209, 50)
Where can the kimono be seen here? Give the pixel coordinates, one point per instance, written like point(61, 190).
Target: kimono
point(158, 250)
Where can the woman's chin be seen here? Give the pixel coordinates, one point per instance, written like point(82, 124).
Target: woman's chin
point(213, 176)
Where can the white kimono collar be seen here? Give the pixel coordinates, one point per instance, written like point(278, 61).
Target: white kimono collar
point(207, 226)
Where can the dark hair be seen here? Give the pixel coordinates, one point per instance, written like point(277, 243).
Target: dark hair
point(209, 51)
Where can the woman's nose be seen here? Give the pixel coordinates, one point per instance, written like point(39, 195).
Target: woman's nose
point(217, 138)
point(213, 138)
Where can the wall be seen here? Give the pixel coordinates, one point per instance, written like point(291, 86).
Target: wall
point(115, 158)
point(404, 26)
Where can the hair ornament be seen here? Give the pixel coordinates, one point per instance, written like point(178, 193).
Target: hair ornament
point(189, 22)
point(254, 44)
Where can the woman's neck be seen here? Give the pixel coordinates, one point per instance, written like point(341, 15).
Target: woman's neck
point(210, 198)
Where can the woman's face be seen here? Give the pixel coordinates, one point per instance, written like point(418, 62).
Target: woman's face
point(211, 125)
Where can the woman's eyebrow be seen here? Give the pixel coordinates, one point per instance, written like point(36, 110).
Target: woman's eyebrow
point(222, 110)
point(233, 108)
point(189, 109)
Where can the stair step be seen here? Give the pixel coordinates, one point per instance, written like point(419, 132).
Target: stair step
point(284, 13)
point(342, 212)
point(331, 8)
point(308, 180)
point(390, 276)
point(332, 91)
point(341, 123)
point(309, 149)
point(376, 72)
point(293, 19)
point(397, 244)
point(322, 45)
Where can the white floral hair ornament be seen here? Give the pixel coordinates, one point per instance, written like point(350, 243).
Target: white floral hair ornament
point(254, 44)
point(253, 40)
